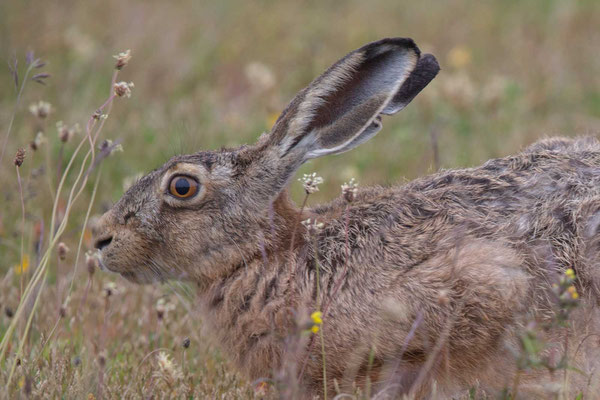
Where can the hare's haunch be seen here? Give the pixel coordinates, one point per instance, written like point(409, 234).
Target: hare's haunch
point(422, 287)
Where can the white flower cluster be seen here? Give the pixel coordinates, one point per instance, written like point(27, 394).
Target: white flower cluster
point(311, 182)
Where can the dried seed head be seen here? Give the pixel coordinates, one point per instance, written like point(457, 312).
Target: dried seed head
point(349, 190)
point(313, 226)
point(98, 115)
point(102, 359)
point(311, 182)
point(123, 89)
point(163, 308)
point(107, 146)
point(41, 109)
point(38, 141)
point(20, 157)
point(62, 312)
point(65, 133)
point(186, 343)
point(110, 289)
point(62, 250)
point(166, 370)
point(122, 59)
point(91, 262)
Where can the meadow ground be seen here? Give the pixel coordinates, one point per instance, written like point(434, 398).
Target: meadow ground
point(211, 74)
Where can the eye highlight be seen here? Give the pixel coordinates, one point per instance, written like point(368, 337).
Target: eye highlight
point(183, 187)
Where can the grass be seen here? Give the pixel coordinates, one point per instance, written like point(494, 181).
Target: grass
point(210, 75)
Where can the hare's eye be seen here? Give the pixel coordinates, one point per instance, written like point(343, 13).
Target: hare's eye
point(183, 187)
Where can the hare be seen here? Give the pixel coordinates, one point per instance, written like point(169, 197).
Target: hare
point(421, 286)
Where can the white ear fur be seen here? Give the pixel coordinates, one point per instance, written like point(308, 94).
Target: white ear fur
point(341, 109)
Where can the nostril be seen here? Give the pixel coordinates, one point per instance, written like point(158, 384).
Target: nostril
point(102, 243)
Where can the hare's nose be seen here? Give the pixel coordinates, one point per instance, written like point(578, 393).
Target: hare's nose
point(103, 242)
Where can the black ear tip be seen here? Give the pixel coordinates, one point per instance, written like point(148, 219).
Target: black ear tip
point(376, 48)
point(426, 69)
point(429, 63)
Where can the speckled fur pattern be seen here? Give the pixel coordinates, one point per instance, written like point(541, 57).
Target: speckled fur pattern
point(430, 279)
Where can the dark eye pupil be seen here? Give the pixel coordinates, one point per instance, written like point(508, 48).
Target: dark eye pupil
point(182, 186)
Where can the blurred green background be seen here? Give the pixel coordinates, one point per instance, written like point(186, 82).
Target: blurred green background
point(209, 74)
point(212, 74)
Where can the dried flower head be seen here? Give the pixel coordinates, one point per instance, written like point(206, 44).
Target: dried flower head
point(313, 226)
point(41, 109)
point(62, 250)
point(91, 262)
point(186, 343)
point(122, 59)
point(19, 157)
point(38, 141)
point(107, 146)
point(311, 182)
point(349, 190)
point(167, 371)
point(98, 115)
point(65, 133)
point(123, 89)
point(110, 289)
point(163, 307)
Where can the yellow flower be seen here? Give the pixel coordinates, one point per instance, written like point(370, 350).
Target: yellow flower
point(317, 317)
point(573, 292)
point(570, 273)
point(22, 268)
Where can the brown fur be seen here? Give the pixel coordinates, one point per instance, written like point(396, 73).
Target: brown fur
point(429, 280)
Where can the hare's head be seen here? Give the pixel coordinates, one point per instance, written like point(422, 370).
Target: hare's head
point(200, 215)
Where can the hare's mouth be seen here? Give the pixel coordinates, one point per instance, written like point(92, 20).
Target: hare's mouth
point(131, 276)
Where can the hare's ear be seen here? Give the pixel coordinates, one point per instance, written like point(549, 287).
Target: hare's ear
point(341, 109)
